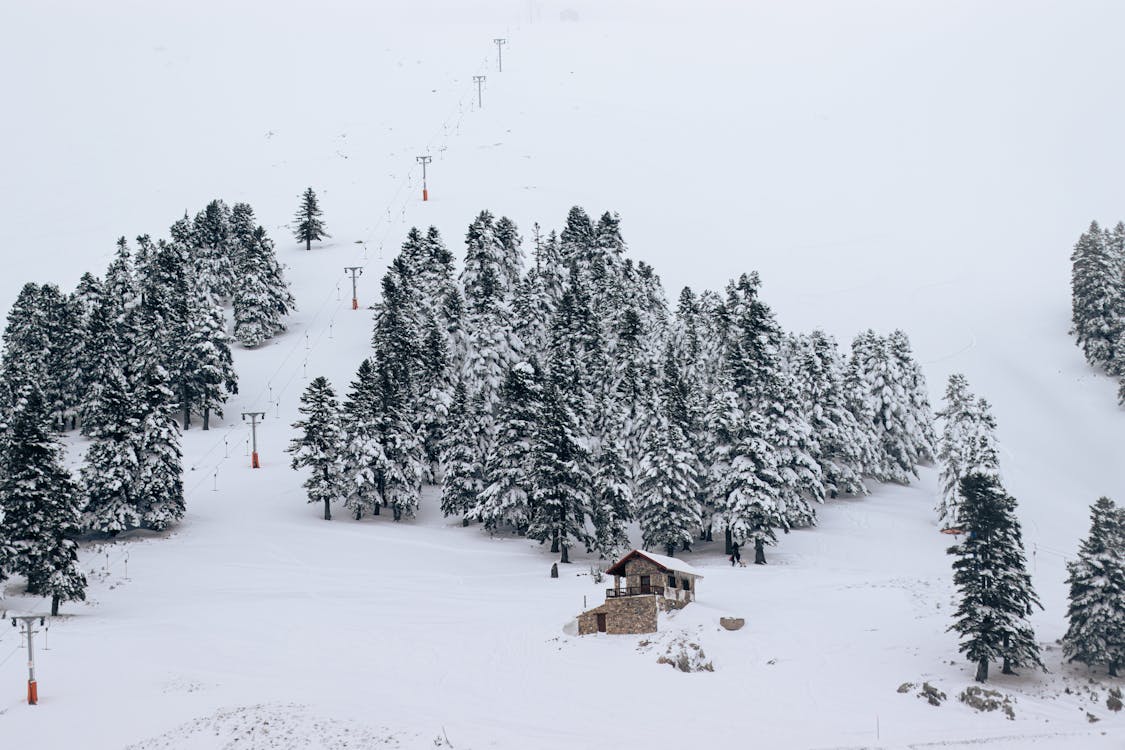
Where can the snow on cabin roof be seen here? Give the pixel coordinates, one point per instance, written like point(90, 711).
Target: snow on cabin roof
point(668, 563)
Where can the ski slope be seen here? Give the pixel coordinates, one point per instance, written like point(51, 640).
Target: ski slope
point(918, 165)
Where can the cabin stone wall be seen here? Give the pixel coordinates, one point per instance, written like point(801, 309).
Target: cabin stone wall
point(625, 615)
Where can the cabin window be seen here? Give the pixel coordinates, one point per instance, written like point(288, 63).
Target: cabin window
point(672, 582)
point(686, 584)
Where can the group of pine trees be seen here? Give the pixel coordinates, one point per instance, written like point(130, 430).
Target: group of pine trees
point(1097, 285)
point(118, 359)
point(559, 397)
point(990, 571)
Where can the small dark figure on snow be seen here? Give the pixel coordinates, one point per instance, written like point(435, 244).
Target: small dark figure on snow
point(735, 556)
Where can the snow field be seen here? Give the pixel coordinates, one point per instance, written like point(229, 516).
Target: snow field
point(916, 166)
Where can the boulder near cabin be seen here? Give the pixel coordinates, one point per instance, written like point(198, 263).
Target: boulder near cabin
point(643, 584)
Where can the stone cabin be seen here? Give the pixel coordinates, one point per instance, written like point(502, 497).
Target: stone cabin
point(643, 584)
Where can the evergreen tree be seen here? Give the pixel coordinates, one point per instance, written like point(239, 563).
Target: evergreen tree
point(437, 372)
point(318, 444)
point(214, 251)
point(462, 451)
point(967, 444)
point(310, 227)
point(1096, 612)
point(208, 377)
point(561, 493)
point(746, 487)
point(262, 298)
point(990, 573)
point(668, 489)
point(1096, 297)
point(159, 487)
point(845, 446)
point(363, 458)
point(38, 501)
point(509, 473)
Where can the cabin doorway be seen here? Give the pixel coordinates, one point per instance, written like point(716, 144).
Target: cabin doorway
point(601, 622)
point(646, 585)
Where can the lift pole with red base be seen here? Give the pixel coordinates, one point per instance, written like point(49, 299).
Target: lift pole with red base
point(254, 417)
point(30, 631)
point(354, 271)
point(424, 160)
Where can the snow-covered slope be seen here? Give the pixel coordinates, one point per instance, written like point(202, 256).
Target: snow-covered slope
point(924, 166)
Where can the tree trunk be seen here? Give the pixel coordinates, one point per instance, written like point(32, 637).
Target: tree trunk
point(670, 550)
point(565, 554)
point(327, 510)
point(207, 418)
point(376, 509)
point(1007, 668)
point(187, 416)
point(759, 552)
point(982, 670)
point(728, 541)
point(465, 522)
point(555, 541)
point(308, 243)
point(1113, 669)
point(708, 537)
point(55, 605)
point(396, 513)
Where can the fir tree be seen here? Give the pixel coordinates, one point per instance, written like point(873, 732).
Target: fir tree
point(462, 455)
point(509, 473)
point(208, 377)
point(990, 573)
point(262, 298)
point(318, 444)
point(1096, 612)
point(38, 502)
point(967, 444)
point(214, 252)
point(668, 489)
point(159, 487)
point(363, 457)
point(1096, 297)
point(561, 493)
point(309, 225)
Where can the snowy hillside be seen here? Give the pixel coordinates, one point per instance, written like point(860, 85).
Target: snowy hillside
point(924, 166)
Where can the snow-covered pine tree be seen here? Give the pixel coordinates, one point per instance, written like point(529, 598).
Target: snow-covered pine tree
point(362, 453)
point(1096, 610)
point(746, 481)
point(967, 444)
point(561, 494)
point(754, 361)
point(990, 573)
point(436, 399)
point(577, 238)
point(318, 444)
point(668, 488)
point(159, 489)
point(920, 420)
point(214, 251)
point(39, 502)
point(509, 472)
point(207, 376)
point(463, 456)
point(845, 446)
point(882, 397)
point(1097, 305)
point(261, 298)
point(612, 491)
point(308, 224)
point(507, 237)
